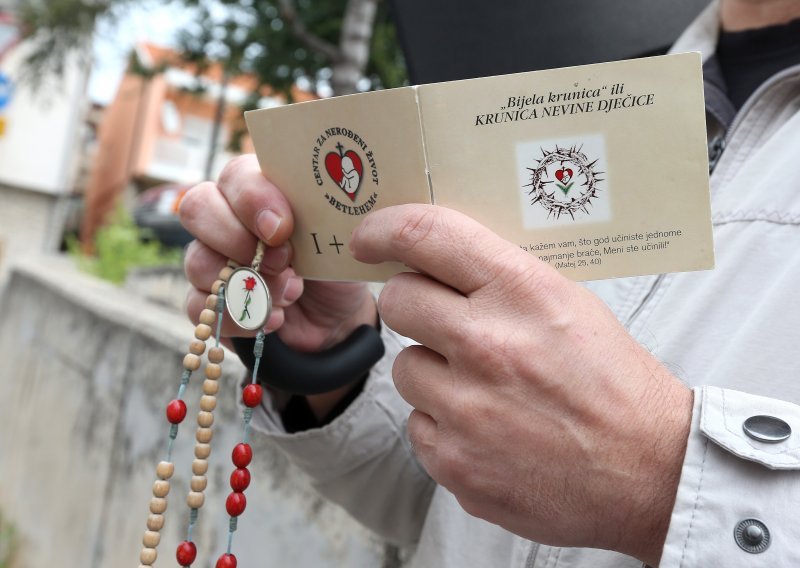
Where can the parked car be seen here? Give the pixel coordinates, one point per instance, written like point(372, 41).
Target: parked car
point(156, 209)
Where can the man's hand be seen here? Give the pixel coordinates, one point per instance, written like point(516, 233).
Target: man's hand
point(227, 219)
point(534, 407)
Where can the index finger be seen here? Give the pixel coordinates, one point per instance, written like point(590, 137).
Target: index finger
point(442, 243)
point(256, 202)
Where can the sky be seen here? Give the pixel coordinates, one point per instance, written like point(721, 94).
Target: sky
point(156, 22)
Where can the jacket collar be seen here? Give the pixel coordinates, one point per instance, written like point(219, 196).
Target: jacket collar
point(702, 34)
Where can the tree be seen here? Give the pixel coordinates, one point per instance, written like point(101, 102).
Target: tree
point(332, 47)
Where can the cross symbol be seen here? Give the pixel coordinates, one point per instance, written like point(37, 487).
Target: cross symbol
point(336, 244)
point(340, 148)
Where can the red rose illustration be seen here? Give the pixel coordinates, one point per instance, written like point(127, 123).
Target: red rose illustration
point(249, 286)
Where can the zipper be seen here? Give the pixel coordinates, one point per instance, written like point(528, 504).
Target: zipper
point(719, 144)
point(716, 150)
point(646, 300)
point(715, 153)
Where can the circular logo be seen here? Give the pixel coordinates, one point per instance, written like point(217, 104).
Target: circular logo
point(345, 167)
point(564, 182)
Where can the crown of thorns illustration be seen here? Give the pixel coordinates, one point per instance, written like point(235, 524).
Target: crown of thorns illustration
point(539, 192)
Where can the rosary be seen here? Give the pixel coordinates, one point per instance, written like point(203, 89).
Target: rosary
point(243, 293)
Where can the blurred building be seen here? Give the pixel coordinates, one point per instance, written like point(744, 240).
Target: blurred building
point(40, 139)
point(170, 123)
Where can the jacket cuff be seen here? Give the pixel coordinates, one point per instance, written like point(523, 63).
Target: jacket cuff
point(731, 481)
point(372, 422)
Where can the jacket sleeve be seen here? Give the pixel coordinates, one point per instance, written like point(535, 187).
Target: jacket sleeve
point(738, 501)
point(362, 460)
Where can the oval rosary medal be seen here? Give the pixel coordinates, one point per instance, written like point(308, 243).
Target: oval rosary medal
point(247, 299)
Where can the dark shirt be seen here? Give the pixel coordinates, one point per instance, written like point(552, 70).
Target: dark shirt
point(749, 58)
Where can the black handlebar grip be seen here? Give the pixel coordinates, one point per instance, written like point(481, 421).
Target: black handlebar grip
point(314, 373)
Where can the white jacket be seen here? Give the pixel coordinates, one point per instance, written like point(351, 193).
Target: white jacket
point(725, 332)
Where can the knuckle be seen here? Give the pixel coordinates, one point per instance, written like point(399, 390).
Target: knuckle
point(234, 168)
point(530, 277)
point(415, 429)
point(470, 506)
point(403, 370)
point(390, 298)
point(415, 227)
point(193, 201)
point(453, 471)
point(190, 258)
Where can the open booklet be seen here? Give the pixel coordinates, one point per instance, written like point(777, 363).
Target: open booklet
point(599, 170)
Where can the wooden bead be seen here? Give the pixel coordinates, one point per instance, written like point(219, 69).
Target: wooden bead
point(165, 469)
point(191, 362)
point(202, 331)
point(202, 451)
point(198, 482)
point(216, 286)
point(208, 403)
point(213, 371)
point(205, 419)
point(155, 522)
point(158, 505)
point(160, 488)
point(199, 467)
point(210, 387)
point(211, 302)
point(204, 435)
point(225, 273)
point(195, 499)
point(216, 354)
point(208, 317)
point(148, 556)
point(197, 347)
point(151, 539)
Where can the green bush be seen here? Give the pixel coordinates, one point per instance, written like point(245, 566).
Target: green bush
point(120, 246)
point(8, 543)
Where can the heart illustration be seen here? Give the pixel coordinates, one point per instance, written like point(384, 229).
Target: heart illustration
point(346, 170)
point(564, 175)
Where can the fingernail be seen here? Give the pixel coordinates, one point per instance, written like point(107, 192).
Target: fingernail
point(268, 223)
point(293, 289)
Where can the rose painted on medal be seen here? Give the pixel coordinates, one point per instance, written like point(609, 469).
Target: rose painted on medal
point(249, 286)
point(247, 299)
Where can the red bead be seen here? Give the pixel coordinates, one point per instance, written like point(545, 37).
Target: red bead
point(226, 561)
point(176, 411)
point(242, 454)
point(252, 394)
point(235, 504)
point(186, 553)
point(240, 479)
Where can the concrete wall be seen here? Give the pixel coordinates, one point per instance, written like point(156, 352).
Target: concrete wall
point(85, 373)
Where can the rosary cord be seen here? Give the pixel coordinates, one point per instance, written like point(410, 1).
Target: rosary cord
point(176, 412)
point(220, 306)
point(243, 453)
